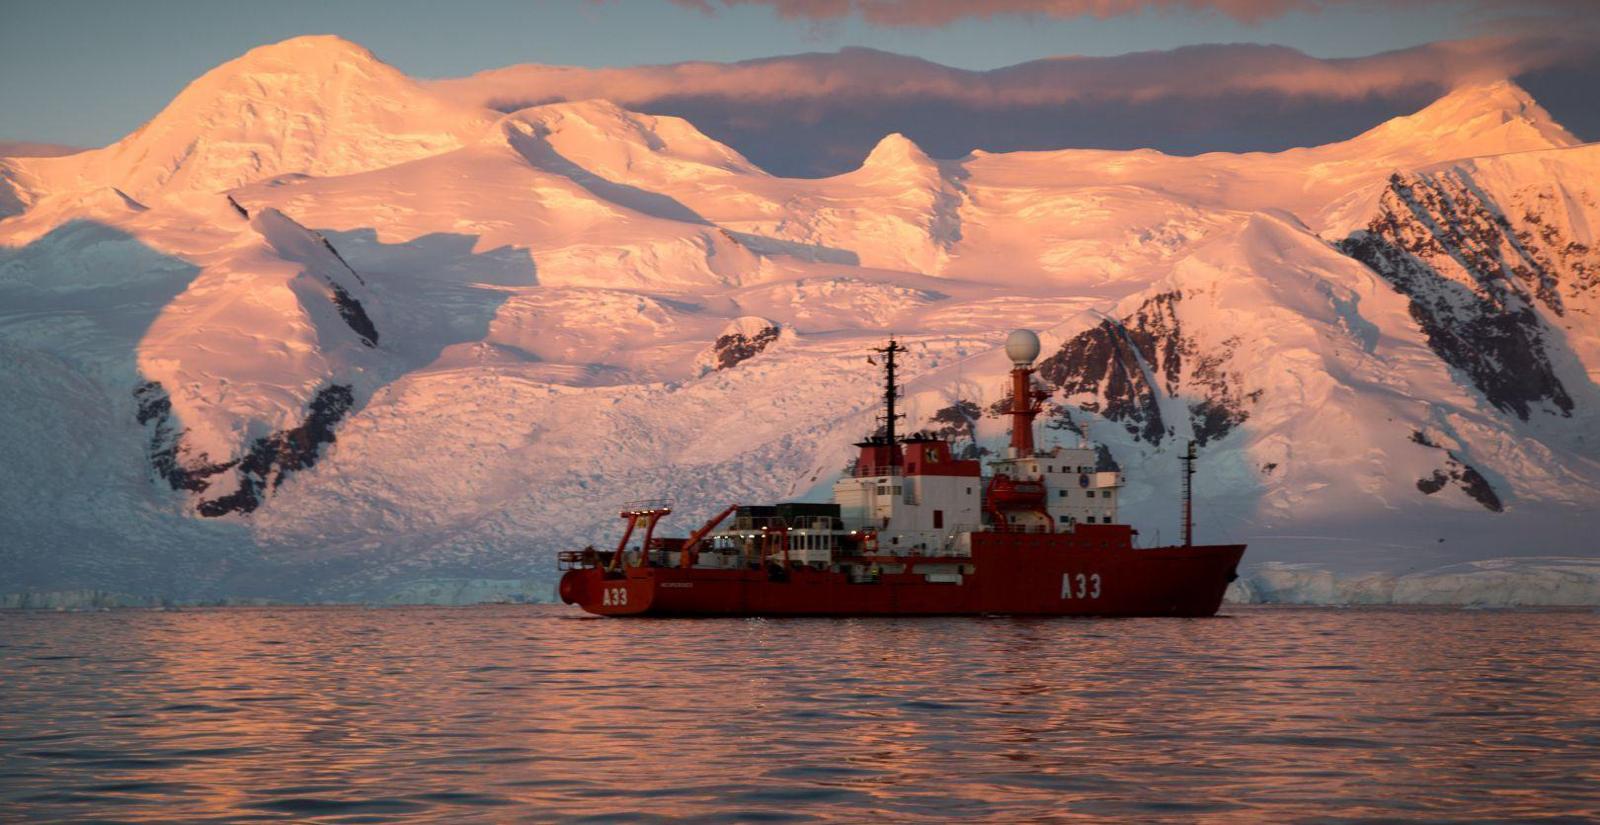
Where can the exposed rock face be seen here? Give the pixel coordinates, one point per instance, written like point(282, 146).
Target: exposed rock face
point(1122, 370)
point(957, 423)
point(1115, 366)
point(1221, 409)
point(354, 315)
point(736, 346)
point(1475, 281)
point(167, 455)
point(1458, 470)
point(1471, 481)
point(265, 465)
point(272, 458)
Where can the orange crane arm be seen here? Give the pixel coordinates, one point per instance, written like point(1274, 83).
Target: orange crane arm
point(691, 548)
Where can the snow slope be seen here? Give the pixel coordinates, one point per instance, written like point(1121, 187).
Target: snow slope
point(317, 332)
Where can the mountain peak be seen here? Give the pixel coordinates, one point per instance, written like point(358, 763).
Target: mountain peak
point(897, 156)
point(623, 145)
point(1479, 119)
point(318, 105)
point(321, 48)
point(896, 149)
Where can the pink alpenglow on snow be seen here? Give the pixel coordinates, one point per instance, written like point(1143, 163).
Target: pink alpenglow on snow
point(318, 315)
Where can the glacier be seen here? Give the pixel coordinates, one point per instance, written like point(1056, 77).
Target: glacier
point(320, 332)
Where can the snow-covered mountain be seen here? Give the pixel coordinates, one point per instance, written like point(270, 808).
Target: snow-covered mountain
point(319, 331)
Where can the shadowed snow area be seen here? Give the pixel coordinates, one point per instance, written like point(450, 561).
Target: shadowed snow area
point(317, 331)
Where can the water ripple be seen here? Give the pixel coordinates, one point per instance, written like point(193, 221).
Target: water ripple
point(537, 714)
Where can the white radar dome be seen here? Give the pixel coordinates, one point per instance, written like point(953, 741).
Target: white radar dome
point(1022, 346)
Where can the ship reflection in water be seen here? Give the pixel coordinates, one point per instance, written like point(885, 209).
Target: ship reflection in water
point(535, 714)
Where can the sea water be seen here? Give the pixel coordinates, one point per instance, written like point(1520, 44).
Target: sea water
point(539, 713)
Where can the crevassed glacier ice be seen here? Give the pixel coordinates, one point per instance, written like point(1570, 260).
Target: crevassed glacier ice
point(1547, 581)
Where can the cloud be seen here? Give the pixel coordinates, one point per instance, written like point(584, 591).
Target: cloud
point(816, 114)
point(1188, 72)
point(34, 149)
point(936, 13)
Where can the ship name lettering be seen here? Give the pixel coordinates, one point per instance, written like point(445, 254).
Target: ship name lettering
point(1080, 585)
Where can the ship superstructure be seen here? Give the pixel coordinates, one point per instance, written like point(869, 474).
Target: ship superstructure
point(912, 529)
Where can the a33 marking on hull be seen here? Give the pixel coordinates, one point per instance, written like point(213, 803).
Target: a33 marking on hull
point(1088, 586)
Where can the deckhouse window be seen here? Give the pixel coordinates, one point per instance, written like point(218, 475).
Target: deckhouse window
point(938, 519)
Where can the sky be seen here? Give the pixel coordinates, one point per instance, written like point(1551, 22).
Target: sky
point(86, 73)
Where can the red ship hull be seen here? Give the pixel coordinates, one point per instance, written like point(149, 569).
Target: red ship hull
point(1006, 573)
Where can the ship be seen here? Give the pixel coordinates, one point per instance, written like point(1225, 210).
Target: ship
point(914, 530)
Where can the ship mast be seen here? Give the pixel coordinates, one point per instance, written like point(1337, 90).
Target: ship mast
point(1188, 495)
point(890, 393)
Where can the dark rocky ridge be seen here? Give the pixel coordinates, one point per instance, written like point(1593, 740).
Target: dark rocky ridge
point(272, 458)
point(1458, 470)
point(735, 347)
point(354, 315)
point(166, 443)
point(1121, 370)
point(1470, 480)
point(264, 466)
point(957, 423)
point(1474, 281)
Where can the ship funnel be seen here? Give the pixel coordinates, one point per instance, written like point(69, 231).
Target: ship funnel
point(1022, 347)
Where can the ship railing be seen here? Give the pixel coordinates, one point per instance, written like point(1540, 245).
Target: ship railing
point(755, 524)
point(647, 505)
point(817, 523)
point(582, 559)
point(1022, 528)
